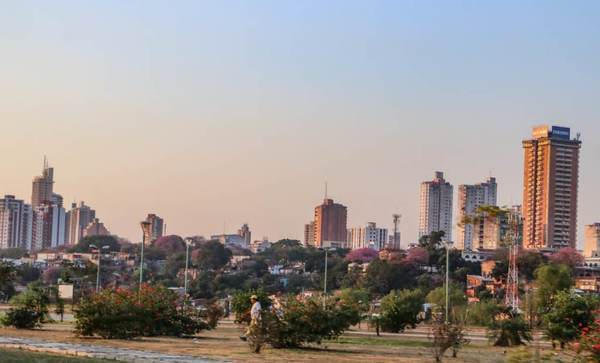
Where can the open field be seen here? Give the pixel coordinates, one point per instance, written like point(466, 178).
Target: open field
point(20, 356)
point(224, 343)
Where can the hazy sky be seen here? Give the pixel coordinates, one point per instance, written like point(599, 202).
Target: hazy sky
point(229, 112)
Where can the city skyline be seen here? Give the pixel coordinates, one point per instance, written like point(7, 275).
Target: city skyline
point(167, 111)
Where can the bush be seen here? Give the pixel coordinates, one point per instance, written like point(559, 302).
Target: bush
point(30, 308)
point(508, 329)
point(123, 314)
point(569, 314)
point(400, 309)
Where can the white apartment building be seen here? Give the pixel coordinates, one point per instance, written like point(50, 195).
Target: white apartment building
point(470, 197)
point(436, 206)
point(15, 223)
point(368, 236)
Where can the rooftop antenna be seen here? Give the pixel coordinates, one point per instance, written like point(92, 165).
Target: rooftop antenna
point(325, 190)
point(45, 163)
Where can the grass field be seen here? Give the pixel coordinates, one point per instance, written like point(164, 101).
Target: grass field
point(224, 343)
point(20, 356)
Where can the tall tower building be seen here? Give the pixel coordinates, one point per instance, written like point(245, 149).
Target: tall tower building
point(470, 197)
point(156, 228)
point(330, 224)
point(79, 217)
point(48, 226)
point(592, 240)
point(551, 173)
point(43, 186)
point(246, 235)
point(436, 206)
point(15, 223)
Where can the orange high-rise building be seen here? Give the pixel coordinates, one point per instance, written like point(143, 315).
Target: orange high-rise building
point(551, 173)
point(330, 224)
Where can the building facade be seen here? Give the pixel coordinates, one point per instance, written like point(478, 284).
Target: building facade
point(330, 224)
point(435, 212)
point(155, 229)
point(42, 186)
point(368, 236)
point(77, 219)
point(309, 234)
point(245, 233)
point(471, 197)
point(550, 186)
point(15, 223)
point(48, 226)
point(95, 228)
point(591, 246)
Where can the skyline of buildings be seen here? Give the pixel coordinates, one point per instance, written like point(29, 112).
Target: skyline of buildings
point(550, 187)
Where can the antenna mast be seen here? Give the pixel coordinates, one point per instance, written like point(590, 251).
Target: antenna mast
point(511, 299)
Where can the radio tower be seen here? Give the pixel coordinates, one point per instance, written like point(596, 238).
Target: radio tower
point(396, 236)
point(511, 299)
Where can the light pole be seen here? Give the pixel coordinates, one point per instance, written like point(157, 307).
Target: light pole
point(325, 277)
point(99, 260)
point(448, 244)
point(145, 229)
point(188, 242)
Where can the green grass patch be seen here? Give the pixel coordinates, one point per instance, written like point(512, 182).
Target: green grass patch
point(23, 356)
point(381, 341)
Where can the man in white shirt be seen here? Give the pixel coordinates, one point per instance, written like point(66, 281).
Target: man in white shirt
point(255, 311)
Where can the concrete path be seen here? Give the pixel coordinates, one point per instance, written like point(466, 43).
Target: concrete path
point(101, 352)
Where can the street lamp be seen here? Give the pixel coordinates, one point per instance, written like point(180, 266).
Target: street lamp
point(325, 280)
point(447, 244)
point(188, 242)
point(99, 260)
point(145, 230)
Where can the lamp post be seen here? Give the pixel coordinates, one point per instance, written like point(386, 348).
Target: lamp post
point(145, 229)
point(188, 242)
point(447, 244)
point(325, 277)
point(99, 260)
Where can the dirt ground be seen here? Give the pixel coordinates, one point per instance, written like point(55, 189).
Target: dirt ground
point(224, 343)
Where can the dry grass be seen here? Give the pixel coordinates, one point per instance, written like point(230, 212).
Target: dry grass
point(224, 343)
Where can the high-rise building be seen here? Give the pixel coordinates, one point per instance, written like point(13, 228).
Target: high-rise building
point(436, 206)
point(330, 224)
point(309, 234)
point(368, 236)
point(471, 197)
point(43, 186)
point(245, 233)
point(79, 217)
point(592, 240)
point(156, 228)
point(49, 226)
point(551, 174)
point(95, 228)
point(15, 223)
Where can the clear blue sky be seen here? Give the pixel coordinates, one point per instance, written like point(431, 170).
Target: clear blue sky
point(229, 112)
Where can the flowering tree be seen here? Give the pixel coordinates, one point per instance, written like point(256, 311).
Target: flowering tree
point(170, 244)
point(362, 255)
point(589, 341)
point(417, 256)
point(567, 256)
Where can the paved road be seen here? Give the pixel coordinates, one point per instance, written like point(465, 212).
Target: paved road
point(101, 352)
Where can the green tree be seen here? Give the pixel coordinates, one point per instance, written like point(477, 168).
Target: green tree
point(12, 253)
point(30, 308)
point(550, 279)
point(83, 246)
point(456, 298)
point(211, 255)
point(8, 276)
point(508, 329)
point(382, 277)
point(568, 315)
point(400, 309)
point(433, 244)
point(528, 262)
point(358, 298)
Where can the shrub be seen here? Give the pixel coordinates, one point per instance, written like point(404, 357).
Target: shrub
point(446, 336)
point(400, 309)
point(588, 346)
point(30, 308)
point(123, 314)
point(569, 314)
point(508, 329)
point(241, 304)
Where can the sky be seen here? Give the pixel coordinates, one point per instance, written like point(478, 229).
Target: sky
point(213, 114)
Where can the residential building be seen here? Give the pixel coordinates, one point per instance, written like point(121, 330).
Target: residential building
point(330, 224)
point(260, 246)
point(49, 226)
point(95, 228)
point(42, 186)
point(471, 197)
point(368, 236)
point(77, 219)
point(551, 174)
point(309, 234)
point(591, 246)
point(156, 228)
point(15, 223)
point(436, 206)
point(245, 233)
